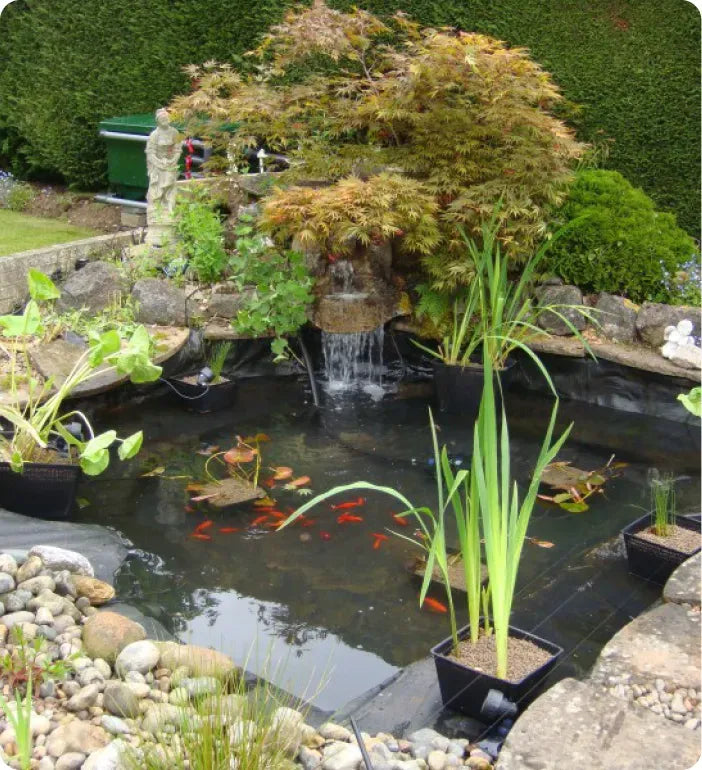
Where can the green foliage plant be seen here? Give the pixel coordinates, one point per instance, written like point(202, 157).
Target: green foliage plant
point(200, 234)
point(276, 288)
point(19, 717)
point(614, 240)
point(36, 413)
point(504, 517)
point(664, 508)
point(452, 118)
point(692, 401)
point(27, 660)
point(217, 359)
point(19, 196)
point(495, 312)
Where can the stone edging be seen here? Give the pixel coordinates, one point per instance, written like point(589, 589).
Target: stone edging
point(60, 258)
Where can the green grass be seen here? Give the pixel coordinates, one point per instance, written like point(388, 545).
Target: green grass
point(20, 232)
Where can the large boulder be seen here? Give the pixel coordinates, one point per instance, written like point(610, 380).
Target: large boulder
point(616, 317)
point(97, 286)
point(57, 559)
point(159, 302)
point(138, 656)
point(565, 298)
point(227, 305)
point(106, 634)
point(200, 660)
point(654, 317)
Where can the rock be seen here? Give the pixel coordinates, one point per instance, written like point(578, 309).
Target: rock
point(44, 617)
point(84, 698)
point(683, 586)
point(560, 295)
point(58, 559)
point(115, 726)
point(436, 760)
point(180, 673)
point(578, 725)
point(196, 687)
point(227, 305)
point(341, 756)
point(616, 317)
point(106, 634)
point(159, 302)
point(242, 733)
point(7, 583)
point(110, 758)
point(16, 600)
point(429, 737)
point(76, 736)
point(119, 700)
point(161, 714)
point(139, 656)
point(309, 758)
point(134, 676)
point(63, 622)
point(70, 761)
point(103, 667)
point(140, 689)
point(478, 763)
point(95, 287)
point(178, 696)
point(29, 569)
point(688, 357)
point(230, 706)
point(64, 584)
point(46, 598)
point(45, 763)
point(654, 317)
point(334, 732)
point(38, 584)
point(285, 731)
point(90, 675)
point(97, 592)
point(8, 564)
point(200, 660)
point(13, 618)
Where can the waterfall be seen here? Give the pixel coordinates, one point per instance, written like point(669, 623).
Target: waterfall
point(342, 275)
point(354, 361)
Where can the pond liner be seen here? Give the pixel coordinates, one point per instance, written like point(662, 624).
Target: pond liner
point(210, 397)
point(464, 689)
point(459, 389)
point(40, 490)
point(653, 561)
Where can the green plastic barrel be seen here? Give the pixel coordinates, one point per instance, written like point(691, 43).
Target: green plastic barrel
point(125, 138)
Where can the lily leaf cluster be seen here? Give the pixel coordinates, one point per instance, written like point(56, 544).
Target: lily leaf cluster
point(35, 410)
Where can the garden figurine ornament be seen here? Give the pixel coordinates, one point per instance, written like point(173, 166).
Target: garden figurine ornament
point(163, 149)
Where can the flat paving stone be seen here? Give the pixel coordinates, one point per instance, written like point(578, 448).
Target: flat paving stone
point(683, 586)
point(577, 726)
point(663, 643)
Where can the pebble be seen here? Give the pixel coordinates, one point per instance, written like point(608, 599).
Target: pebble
point(7, 583)
point(84, 698)
point(70, 761)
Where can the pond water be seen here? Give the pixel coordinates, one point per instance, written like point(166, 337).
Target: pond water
point(319, 610)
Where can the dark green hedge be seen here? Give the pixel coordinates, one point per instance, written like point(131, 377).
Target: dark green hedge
point(632, 66)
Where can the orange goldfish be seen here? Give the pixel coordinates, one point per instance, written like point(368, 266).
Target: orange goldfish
point(349, 504)
point(401, 520)
point(200, 536)
point(259, 520)
point(300, 482)
point(347, 518)
point(434, 605)
point(203, 526)
point(228, 530)
point(379, 537)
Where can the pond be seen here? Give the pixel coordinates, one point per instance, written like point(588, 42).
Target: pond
point(318, 609)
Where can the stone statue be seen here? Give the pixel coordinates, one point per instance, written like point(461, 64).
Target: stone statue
point(163, 150)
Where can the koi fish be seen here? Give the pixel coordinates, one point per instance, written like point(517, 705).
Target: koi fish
point(272, 524)
point(347, 518)
point(349, 504)
point(300, 482)
point(379, 537)
point(540, 543)
point(200, 536)
point(401, 520)
point(277, 515)
point(434, 605)
point(324, 535)
point(203, 526)
point(228, 530)
point(259, 520)
point(282, 472)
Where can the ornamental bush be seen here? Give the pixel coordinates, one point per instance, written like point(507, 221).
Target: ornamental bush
point(616, 241)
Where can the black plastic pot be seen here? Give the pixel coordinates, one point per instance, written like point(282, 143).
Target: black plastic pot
point(44, 491)
point(653, 561)
point(460, 388)
point(204, 398)
point(464, 689)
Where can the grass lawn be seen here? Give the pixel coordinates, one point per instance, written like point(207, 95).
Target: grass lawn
point(20, 232)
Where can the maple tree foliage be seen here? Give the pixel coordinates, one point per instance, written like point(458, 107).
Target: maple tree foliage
point(413, 131)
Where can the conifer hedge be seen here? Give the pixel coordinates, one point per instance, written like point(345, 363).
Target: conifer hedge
point(632, 66)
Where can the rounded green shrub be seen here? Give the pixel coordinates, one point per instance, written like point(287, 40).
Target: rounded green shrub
point(614, 240)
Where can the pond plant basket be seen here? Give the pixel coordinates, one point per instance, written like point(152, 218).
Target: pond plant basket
point(204, 398)
point(40, 490)
point(460, 388)
point(464, 689)
point(654, 561)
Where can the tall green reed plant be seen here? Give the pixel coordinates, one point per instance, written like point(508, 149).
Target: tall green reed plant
point(19, 718)
point(504, 517)
point(664, 505)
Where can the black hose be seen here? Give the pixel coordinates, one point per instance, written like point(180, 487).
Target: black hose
point(310, 370)
point(182, 395)
point(361, 744)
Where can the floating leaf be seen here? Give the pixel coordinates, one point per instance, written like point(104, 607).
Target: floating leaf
point(299, 482)
point(540, 543)
point(282, 472)
point(578, 507)
point(82, 502)
point(239, 454)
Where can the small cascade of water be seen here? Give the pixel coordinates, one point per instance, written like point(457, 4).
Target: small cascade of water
point(342, 275)
point(354, 361)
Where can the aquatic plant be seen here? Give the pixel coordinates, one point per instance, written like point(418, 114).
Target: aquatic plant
point(692, 401)
point(200, 231)
point(35, 412)
point(496, 313)
point(217, 359)
point(664, 507)
point(19, 718)
point(504, 518)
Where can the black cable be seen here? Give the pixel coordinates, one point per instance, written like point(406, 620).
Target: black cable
point(182, 395)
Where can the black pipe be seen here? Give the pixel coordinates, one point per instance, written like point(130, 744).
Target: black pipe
point(361, 744)
point(310, 370)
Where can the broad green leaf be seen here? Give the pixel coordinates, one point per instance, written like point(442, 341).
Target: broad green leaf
point(18, 325)
point(96, 463)
point(575, 507)
point(563, 497)
point(692, 401)
point(130, 446)
point(41, 287)
point(134, 359)
point(104, 345)
point(101, 442)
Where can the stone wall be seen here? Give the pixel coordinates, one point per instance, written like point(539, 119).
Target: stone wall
point(53, 260)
